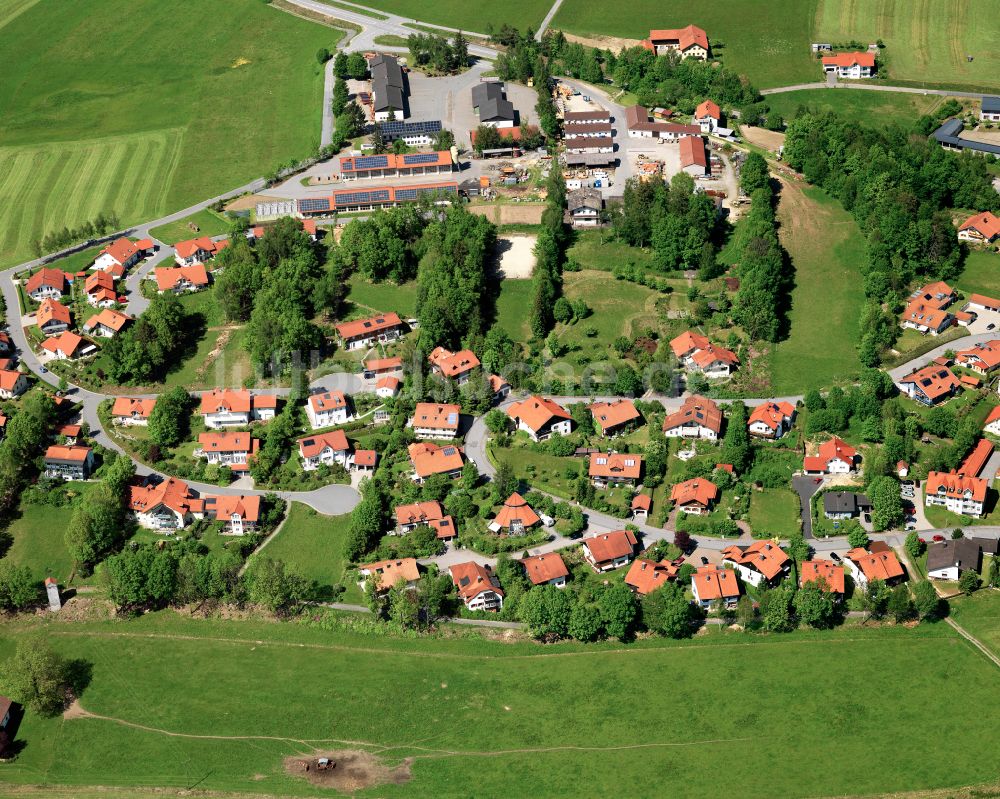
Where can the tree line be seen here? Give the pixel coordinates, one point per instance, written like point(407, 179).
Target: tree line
point(899, 188)
point(60, 239)
point(438, 53)
point(550, 254)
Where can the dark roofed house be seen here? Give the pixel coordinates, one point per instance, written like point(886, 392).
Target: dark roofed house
point(388, 88)
point(584, 207)
point(991, 109)
point(949, 136)
point(490, 101)
point(946, 560)
point(844, 504)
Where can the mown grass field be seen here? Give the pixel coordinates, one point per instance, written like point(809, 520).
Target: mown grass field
point(826, 250)
point(311, 544)
point(93, 122)
point(980, 615)
point(383, 297)
point(207, 221)
point(879, 108)
point(774, 513)
point(285, 689)
point(513, 308)
point(470, 16)
point(927, 40)
point(981, 274)
point(768, 40)
point(38, 538)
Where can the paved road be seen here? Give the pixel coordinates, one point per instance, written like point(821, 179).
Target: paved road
point(870, 87)
point(548, 19)
point(956, 344)
point(806, 487)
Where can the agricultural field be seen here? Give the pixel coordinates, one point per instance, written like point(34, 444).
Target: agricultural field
point(86, 128)
point(765, 40)
point(311, 544)
point(872, 108)
point(925, 41)
point(310, 687)
point(980, 615)
point(472, 16)
point(826, 251)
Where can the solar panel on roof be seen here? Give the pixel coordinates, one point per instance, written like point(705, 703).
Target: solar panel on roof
point(406, 194)
point(397, 129)
point(371, 162)
point(420, 158)
point(317, 204)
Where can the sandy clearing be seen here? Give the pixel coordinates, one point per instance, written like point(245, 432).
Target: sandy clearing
point(516, 256)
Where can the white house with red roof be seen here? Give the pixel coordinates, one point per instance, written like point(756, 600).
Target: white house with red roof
point(46, 283)
point(477, 585)
point(771, 419)
point(982, 358)
point(238, 513)
point(457, 366)
point(609, 551)
point(365, 332)
point(850, 65)
point(232, 449)
point(835, 456)
point(688, 42)
point(387, 387)
point(540, 417)
point(955, 492)
point(433, 420)
point(106, 324)
point(180, 279)
point(12, 384)
point(224, 407)
point(118, 256)
point(711, 584)
point(128, 411)
point(165, 506)
point(324, 449)
point(327, 408)
point(546, 569)
point(983, 228)
point(708, 116)
point(197, 251)
point(100, 288)
point(697, 353)
point(992, 423)
point(410, 517)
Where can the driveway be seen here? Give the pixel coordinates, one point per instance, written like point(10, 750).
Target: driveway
point(806, 488)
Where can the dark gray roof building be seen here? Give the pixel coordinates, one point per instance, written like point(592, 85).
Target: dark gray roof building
point(991, 105)
point(962, 553)
point(492, 103)
point(948, 136)
point(388, 84)
point(844, 502)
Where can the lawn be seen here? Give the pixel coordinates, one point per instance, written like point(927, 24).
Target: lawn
point(207, 222)
point(92, 123)
point(38, 541)
point(282, 689)
point(981, 274)
point(767, 40)
point(881, 108)
point(618, 308)
point(774, 513)
point(980, 615)
point(596, 249)
point(514, 308)
point(383, 297)
point(472, 16)
point(311, 544)
point(925, 41)
point(826, 250)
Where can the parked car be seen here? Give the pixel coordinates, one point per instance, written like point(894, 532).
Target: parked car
point(990, 326)
point(911, 526)
point(817, 479)
point(704, 561)
point(868, 518)
point(835, 557)
point(939, 538)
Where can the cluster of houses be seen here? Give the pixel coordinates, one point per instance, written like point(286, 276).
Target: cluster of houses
point(696, 353)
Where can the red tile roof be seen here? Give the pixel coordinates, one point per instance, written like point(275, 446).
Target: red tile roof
point(471, 579)
point(685, 37)
point(976, 460)
point(617, 464)
point(984, 357)
point(763, 556)
point(169, 277)
point(708, 109)
point(516, 509)
point(693, 153)
point(54, 278)
point(881, 565)
point(849, 60)
point(952, 484)
point(453, 364)
point(536, 412)
point(419, 512)
point(428, 459)
point(987, 224)
point(606, 547)
point(371, 326)
point(696, 410)
point(645, 576)
point(609, 415)
point(389, 572)
point(436, 417)
point(698, 491)
point(771, 414)
point(186, 249)
point(74, 454)
point(246, 507)
point(934, 381)
point(66, 342)
point(50, 310)
point(715, 583)
point(311, 446)
point(121, 250)
point(828, 571)
point(114, 320)
point(642, 502)
point(543, 568)
point(830, 450)
point(350, 163)
point(128, 407)
point(172, 493)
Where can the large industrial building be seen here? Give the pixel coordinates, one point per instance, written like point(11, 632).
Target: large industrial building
point(370, 199)
point(389, 165)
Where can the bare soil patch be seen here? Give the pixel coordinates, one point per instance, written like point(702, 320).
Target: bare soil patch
point(248, 202)
point(516, 256)
point(350, 770)
point(982, 135)
point(511, 214)
point(768, 139)
point(613, 43)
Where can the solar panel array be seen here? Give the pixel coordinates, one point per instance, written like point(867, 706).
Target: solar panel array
point(371, 162)
point(362, 197)
point(396, 129)
point(413, 159)
point(318, 204)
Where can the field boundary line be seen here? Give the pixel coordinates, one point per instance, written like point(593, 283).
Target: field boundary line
point(973, 640)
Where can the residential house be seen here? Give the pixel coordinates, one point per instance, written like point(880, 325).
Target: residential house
point(389, 573)
point(976, 461)
point(835, 456)
point(457, 366)
point(850, 65)
point(926, 311)
point(694, 496)
point(118, 256)
point(239, 513)
point(990, 109)
point(540, 417)
point(489, 101)
point(67, 345)
point(711, 584)
point(615, 468)
point(6, 345)
point(431, 420)
point(930, 385)
point(617, 416)
point(387, 387)
point(365, 461)
point(197, 251)
point(430, 459)
point(957, 493)
point(69, 463)
point(981, 358)
point(365, 332)
point(516, 517)
point(771, 419)
point(326, 409)
point(832, 574)
point(499, 387)
point(981, 228)
point(640, 507)
point(224, 407)
point(839, 505)
point(100, 289)
point(992, 423)
point(128, 411)
point(52, 317)
point(232, 449)
point(389, 89)
point(107, 323)
point(324, 449)
point(639, 126)
point(694, 156)
point(696, 352)
point(607, 551)
point(546, 569)
point(708, 116)
point(180, 279)
point(645, 576)
point(12, 383)
point(477, 585)
point(382, 366)
point(902, 469)
point(165, 506)
point(698, 417)
point(878, 562)
point(410, 517)
point(946, 560)
point(689, 42)
point(46, 283)
point(760, 562)
point(584, 207)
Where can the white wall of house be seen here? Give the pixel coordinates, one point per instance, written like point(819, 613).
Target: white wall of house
point(327, 457)
point(326, 418)
point(218, 419)
point(947, 573)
